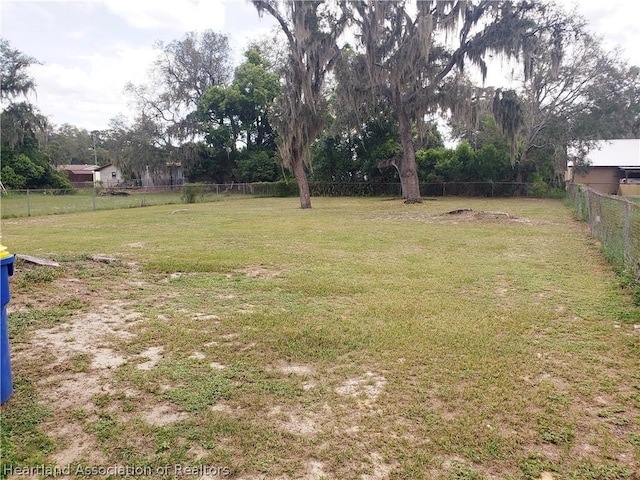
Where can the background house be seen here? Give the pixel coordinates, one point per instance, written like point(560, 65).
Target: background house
point(171, 175)
point(111, 176)
point(79, 175)
point(614, 168)
point(108, 176)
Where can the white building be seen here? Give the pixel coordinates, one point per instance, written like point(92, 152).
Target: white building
point(108, 176)
point(612, 164)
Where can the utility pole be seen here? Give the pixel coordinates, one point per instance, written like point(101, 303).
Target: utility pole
point(95, 152)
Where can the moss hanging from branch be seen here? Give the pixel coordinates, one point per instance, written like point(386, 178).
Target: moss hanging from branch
point(311, 28)
point(507, 110)
point(402, 61)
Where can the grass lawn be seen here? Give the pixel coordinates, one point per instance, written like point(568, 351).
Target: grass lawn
point(42, 203)
point(363, 339)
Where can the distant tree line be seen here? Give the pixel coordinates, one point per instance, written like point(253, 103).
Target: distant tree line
point(24, 163)
point(306, 105)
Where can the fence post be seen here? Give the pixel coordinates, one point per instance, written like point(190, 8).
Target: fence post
point(28, 204)
point(627, 240)
point(93, 198)
point(587, 201)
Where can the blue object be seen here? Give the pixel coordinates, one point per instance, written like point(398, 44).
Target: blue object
point(6, 380)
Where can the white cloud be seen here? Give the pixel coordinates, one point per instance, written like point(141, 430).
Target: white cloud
point(94, 94)
point(616, 21)
point(77, 34)
point(184, 15)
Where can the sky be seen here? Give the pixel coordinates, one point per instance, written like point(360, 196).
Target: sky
point(90, 49)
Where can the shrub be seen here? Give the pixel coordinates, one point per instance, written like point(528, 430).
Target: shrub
point(539, 188)
point(275, 189)
point(191, 192)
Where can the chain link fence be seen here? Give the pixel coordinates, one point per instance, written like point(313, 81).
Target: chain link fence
point(33, 202)
point(21, 203)
point(614, 221)
point(434, 189)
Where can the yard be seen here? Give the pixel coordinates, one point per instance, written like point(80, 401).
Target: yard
point(43, 202)
point(363, 339)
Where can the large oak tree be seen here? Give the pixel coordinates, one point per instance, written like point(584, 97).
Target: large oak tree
point(311, 29)
point(413, 55)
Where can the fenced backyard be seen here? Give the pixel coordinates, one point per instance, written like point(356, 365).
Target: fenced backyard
point(614, 221)
point(21, 203)
point(459, 339)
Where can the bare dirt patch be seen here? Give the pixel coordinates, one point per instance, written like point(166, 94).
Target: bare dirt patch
point(76, 445)
point(85, 334)
point(303, 424)
point(67, 392)
point(381, 469)
point(299, 425)
point(205, 317)
point(366, 388)
point(177, 275)
point(164, 414)
point(222, 408)
point(462, 215)
point(470, 215)
point(134, 245)
point(259, 271)
point(72, 363)
point(297, 369)
point(315, 471)
point(154, 354)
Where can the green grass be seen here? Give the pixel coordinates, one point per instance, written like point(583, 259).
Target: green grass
point(38, 203)
point(361, 336)
point(24, 441)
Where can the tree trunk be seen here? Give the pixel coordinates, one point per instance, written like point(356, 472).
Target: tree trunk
point(520, 173)
point(303, 184)
point(408, 169)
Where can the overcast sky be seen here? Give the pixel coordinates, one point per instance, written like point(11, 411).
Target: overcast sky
point(90, 49)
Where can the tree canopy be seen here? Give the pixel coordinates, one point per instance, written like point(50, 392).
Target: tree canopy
point(416, 61)
point(312, 29)
point(24, 163)
point(344, 89)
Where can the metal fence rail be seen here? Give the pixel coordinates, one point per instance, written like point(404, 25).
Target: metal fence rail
point(33, 202)
point(614, 221)
point(20, 203)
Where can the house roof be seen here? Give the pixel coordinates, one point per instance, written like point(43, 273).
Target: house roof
point(104, 166)
point(615, 153)
point(79, 169)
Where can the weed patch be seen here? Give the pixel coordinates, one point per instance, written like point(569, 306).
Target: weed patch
point(33, 278)
point(21, 322)
point(23, 440)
